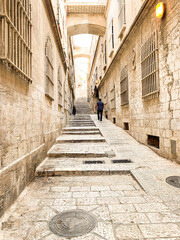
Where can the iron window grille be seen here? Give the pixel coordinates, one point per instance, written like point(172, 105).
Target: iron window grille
point(49, 90)
point(100, 66)
point(149, 65)
point(124, 86)
point(15, 36)
point(122, 17)
point(111, 38)
point(104, 55)
point(112, 98)
point(60, 88)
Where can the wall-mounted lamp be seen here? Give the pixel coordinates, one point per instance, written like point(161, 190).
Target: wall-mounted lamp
point(160, 10)
point(97, 81)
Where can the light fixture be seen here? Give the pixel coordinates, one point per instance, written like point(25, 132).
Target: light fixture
point(160, 10)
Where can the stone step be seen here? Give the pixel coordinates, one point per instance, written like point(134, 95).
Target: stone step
point(81, 125)
point(79, 138)
point(80, 132)
point(86, 150)
point(81, 121)
point(80, 129)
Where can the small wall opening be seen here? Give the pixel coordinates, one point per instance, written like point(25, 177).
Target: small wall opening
point(114, 120)
point(153, 141)
point(126, 126)
point(106, 115)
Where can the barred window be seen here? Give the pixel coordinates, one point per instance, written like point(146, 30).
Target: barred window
point(122, 17)
point(104, 55)
point(111, 38)
point(124, 86)
point(112, 98)
point(60, 89)
point(149, 66)
point(15, 36)
point(49, 89)
point(100, 66)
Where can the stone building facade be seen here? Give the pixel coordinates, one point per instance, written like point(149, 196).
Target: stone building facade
point(36, 88)
point(137, 73)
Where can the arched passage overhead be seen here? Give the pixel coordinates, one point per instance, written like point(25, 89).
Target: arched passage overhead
point(86, 24)
point(81, 55)
point(82, 52)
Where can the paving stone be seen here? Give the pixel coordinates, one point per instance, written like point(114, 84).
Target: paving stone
point(138, 199)
point(111, 193)
point(163, 217)
point(100, 188)
point(107, 200)
point(105, 230)
point(151, 207)
point(102, 213)
point(121, 187)
point(160, 230)
point(128, 232)
point(121, 208)
point(86, 201)
point(65, 201)
point(85, 194)
point(129, 218)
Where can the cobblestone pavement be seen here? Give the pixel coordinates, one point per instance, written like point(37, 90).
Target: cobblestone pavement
point(130, 200)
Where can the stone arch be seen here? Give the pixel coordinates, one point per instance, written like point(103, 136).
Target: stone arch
point(81, 55)
point(86, 24)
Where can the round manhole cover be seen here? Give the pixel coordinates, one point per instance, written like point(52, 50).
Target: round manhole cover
point(73, 223)
point(174, 181)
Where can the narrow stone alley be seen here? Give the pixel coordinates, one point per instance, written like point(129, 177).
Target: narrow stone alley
point(97, 183)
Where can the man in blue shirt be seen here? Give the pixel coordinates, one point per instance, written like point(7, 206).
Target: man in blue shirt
point(100, 106)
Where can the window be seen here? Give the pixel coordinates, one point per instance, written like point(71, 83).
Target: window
point(104, 56)
point(122, 17)
point(111, 38)
point(124, 86)
point(96, 75)
point(100, 64)
point(60, 90)
point(153, 141)
point(49, 90)
point(15, 36)
point(112, 98)
point(149, 66)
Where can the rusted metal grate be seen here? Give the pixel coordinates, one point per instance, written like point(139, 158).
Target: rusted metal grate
point(122, 161)
point(149, 65)
point(93, 162)
point(124, 86)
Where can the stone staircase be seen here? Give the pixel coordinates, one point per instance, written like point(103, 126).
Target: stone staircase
point(79, 141)
point(82, 107)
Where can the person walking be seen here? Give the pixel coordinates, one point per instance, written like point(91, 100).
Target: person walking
point(100, 106)
point(74, 110)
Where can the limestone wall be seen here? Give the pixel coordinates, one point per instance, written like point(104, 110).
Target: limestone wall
point(158, 115)
point(29, 121)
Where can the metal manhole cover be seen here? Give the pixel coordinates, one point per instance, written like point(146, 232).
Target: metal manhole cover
point(73, 223)
point(174, 181)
